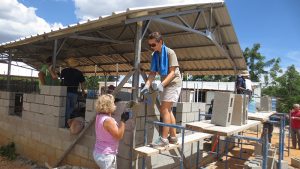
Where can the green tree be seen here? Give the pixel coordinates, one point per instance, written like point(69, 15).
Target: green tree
point(286, 88)
point(256, 62)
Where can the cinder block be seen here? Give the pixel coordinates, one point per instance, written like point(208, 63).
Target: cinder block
point(265, 103)
point(7, 95)
point(30, 98)
point(45, 90)
point(190, 117)
point(59, 101)
point(183, 107)
point(222, 109)
point(35, 107)
point(49, 100)
point(198, 106)
point(239, 117)
point(89, 115)
point(90, 104)
point(39, 98)
point(54, 121)
point(58, 90)
point(295, 162)
point(284, 164)
point(26, 106)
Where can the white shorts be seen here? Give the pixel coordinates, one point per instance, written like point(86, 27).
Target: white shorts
point(105, 161)
point(170, 94)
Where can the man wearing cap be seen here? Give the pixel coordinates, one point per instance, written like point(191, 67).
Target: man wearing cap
point(71, 78)
point(240, 83)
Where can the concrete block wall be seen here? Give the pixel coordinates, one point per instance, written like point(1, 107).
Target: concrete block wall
point(222, 108)
point(7, 102)
point(239, 117)
point(37, 134)
point(46, 108)
point(90, 111)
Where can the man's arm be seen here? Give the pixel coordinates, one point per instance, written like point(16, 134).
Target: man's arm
point(42, 77)
point(170, 76)
point(150, 79)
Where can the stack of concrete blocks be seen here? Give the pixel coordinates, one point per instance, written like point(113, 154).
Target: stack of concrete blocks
point(240, 110)
point(295, 162)
point(7, 102)
point(266, 104)
point(222, 109)
point(134, 131)
point(187, 112)
point(90, 111)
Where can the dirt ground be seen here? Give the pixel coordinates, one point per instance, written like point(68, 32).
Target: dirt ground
point(247, 153)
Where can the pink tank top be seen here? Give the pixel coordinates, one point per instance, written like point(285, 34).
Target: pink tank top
point(105, 142)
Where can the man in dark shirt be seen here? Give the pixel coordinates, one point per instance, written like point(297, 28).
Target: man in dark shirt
point(72, 77)
point(240, 83)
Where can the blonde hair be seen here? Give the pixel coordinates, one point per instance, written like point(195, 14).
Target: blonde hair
point(105, 104)
point(296, 106)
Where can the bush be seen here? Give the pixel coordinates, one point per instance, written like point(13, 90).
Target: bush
point(8, 151)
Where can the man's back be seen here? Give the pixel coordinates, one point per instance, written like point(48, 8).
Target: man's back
point(72, 77)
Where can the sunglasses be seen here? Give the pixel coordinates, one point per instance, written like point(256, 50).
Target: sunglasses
point(152, 45)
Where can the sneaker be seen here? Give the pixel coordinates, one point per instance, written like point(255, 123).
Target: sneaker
point(173, 140)
point(160, 142)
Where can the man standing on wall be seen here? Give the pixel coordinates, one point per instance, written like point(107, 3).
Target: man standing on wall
point(164, 62)
point(71, 78)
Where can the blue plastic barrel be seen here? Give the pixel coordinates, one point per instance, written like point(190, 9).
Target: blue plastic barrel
point(274, 102)
point(252, 107)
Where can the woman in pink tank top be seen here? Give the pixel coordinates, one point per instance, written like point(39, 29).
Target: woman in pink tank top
point(108, 132)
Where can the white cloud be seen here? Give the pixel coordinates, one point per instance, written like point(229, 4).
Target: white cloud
point(17, 20)
point(87, 9)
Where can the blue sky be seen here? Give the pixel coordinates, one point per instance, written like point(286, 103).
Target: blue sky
point(275, 24)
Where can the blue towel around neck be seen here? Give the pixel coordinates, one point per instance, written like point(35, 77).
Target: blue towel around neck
point(162, 65)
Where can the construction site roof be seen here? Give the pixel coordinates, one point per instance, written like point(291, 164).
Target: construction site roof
point(201, 34)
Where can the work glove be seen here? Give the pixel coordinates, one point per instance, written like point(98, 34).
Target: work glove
point(145, 90)
point(159, 87)
point(125, 116)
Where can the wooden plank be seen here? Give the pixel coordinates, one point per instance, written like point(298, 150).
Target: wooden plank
point(260, 116)
point(207, 127)
point(148, 151)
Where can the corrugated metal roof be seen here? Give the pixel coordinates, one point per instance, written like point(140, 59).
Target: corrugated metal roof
point(109, 40)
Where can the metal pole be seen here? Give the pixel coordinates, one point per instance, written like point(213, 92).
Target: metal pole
point(54, 57)
point(182, 149)
point(135, 82)
point(265, 143)
point(9, 70)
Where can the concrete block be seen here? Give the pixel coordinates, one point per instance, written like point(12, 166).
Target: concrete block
point(39, 98)
point(45, 90)
point(30, 98)
point(265, 103)
point(59, 101)
point(295, 162)
point(39, 118)
point(7, 95)
point(184, 107)
point(58, 91)
point(89, 115)
point(284, 164)
point(26, 106)
point(239, 117)
point(190, 117)
point(49, 100)
point(35, 107)
point(90, 104)
point(222, 109)
point(55, 121)
point(196, 106)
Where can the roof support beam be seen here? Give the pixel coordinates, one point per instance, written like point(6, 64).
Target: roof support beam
point(208, 35)
point(98, 39)
point(143, 18)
